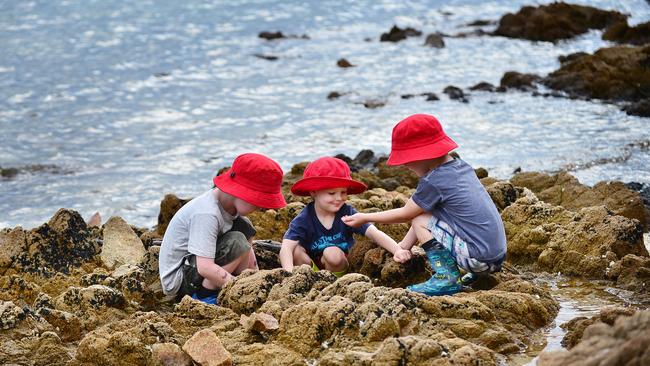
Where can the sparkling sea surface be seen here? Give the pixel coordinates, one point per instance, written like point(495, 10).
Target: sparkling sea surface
point(109, 105)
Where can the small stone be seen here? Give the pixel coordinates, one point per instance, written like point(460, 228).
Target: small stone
point(434, 40)
point(259, 322)
point(121, 244)
point(344, 63)
point(205, 348)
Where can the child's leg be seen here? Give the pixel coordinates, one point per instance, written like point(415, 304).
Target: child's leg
point(420, 225)
point(300, 256)
point(234, 254)
point(334, 259)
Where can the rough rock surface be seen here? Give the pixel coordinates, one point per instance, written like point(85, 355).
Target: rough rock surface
point(206, 349)
point(121, 244)
point(555, 21)
point(622, 33)
point(565, 190)
point(615, 73)
point(576, 326)
point(626, 342)
point(582, 243)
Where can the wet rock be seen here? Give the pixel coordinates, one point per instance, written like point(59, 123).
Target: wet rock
point(480, 23)
point(397, 34)
point(555, 21)
point(379, 265)
point(565, 190)
point(484, 86)
point(335, 95)
point(434, 40)
point(121, 244)
point(12, 172)
point(557, 240)
point(126, 342)
point(615, 73)
point(10, 315)
point(373, 103)
point(168, 207)
point(169, 354)
point(343, 63)
point(481, 172)
point(205, 349)
point(621, 32)
point(516, 80)
point(259, 322)
point(575, 327)
point(60, 245)
point(632, 273)
point(455, 93)
point(267, 253)
point(624, 343)
point(640, 108)
point(430, 97)
point(249, 292)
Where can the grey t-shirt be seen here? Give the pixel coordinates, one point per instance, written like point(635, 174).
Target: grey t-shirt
point(453, 194)
point(193, 229)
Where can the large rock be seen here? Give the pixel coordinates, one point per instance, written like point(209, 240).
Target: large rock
point(12, 242)
point(626, 342)
point(622, 33)
point(61, 245)
point(169, 354)
point(554, 239)
point(168, 207)
point(615, 73)
point(564, 190)
point(555, 21)
point(121, 244)
point(575, 327)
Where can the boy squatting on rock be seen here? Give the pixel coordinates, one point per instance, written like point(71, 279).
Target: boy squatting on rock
point(317, 236)
point(450, 212)
point(207, 241)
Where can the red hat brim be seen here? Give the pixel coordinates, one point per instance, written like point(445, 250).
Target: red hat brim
point(429, 151)
point(310, 184)
point(257, 198)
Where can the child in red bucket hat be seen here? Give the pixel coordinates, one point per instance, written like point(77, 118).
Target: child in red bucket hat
point(317, 236)
point(450, 212)
point(207, 241)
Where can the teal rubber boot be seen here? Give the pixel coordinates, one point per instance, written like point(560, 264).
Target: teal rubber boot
point(446, 279)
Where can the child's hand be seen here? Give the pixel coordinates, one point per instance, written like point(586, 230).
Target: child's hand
point(402, 255)
point(355, 220)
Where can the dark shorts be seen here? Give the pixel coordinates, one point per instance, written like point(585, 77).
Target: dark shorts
point(230, 246)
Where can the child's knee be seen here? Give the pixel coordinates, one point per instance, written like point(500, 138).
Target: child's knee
point(300, 256)
point(335, 257)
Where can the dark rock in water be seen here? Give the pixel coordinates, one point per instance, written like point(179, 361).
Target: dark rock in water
point(162, 74)
point(397, 34)
point(481, 172)
point(555, 21)
point(480, 23)
point(271, 35)
point(343, 63)
point(576, 327)
point(334, 95)
point(622, 33)
point(12, 172)
point(168, 207)
point(373, 103)
point(434, 40)
point(571, 57)
point(640, 108)
point(430, 96)
point(455, 93)
point(266, 57)
point(615, 73)
point(516, 80)
point(484, 86)
point(8, 172)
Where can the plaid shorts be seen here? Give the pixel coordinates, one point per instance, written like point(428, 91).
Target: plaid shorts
point(443, 233)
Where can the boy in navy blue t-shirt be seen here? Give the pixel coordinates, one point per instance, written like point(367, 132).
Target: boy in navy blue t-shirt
point(317, 236)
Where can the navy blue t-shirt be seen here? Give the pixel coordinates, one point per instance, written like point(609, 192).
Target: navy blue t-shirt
point(314, 237)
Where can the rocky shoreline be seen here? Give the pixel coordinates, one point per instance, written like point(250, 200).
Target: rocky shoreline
point(79, 295)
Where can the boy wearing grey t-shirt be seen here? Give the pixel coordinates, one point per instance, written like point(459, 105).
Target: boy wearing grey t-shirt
point(207, 240)
point(450, 212)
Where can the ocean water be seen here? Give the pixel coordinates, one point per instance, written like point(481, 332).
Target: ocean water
point(109, 105)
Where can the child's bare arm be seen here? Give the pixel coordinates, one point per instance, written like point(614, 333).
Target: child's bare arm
point(409, 239)
point(394, 216)
point(286, 253)
point(213, 272)
point(399, 254)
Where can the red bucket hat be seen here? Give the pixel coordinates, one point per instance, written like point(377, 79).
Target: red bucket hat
point(325, 173)
point(255, 179)
point(418, 137)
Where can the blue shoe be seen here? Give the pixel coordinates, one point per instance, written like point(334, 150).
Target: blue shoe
point(446, 279)
point(210, 299)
